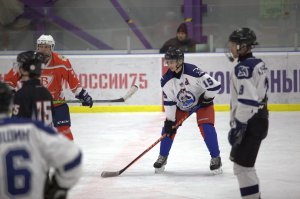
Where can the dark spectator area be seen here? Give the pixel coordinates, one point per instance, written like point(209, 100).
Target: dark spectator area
point(133, 26)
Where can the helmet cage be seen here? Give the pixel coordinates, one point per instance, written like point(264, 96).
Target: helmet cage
point(46, 40)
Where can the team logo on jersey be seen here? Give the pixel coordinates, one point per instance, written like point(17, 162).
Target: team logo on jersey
point(186, 98)
point(198, 71)
point(243, 71)
point(186, 81)
point(63, 58)
point(262, 69)
point(46, 80)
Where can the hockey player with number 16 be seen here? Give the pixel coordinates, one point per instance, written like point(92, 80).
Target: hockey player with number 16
point(185, 86)
point(249, 122)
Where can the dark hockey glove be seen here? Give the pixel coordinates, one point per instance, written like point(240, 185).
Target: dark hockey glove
point(54, 191)
point(85, 98)
point(235, 135)
point(168, 128)
point(204, 102)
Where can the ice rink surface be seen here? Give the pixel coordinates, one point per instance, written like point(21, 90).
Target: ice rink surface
point(111, 141)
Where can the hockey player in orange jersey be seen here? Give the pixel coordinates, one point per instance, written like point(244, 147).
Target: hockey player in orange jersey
point(57, 71)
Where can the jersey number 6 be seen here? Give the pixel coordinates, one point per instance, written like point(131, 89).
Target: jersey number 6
point(18, 178)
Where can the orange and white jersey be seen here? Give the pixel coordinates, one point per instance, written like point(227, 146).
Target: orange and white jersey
point(12, 78)
point(55, 75)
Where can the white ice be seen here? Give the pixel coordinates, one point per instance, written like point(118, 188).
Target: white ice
point(111, 141)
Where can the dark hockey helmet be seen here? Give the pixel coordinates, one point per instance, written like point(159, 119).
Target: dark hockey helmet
point(31, 62)
point(174, 53)
point(5, 97)
point(243, 36)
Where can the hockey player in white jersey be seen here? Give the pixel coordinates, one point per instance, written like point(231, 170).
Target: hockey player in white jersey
point(185, 86)
point(27, 150)
point(249, 115)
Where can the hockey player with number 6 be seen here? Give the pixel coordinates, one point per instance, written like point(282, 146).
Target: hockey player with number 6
point(184, 87)
point(249, 115)
point(27, 150)
point(57, 71)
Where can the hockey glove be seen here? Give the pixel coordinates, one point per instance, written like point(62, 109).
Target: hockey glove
point(235, 135)
point(204, 102)
point(54, 191)
point(168, 128)
point(85, 98)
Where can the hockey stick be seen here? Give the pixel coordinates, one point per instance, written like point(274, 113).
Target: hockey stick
point(129, 93)
point(105, 174)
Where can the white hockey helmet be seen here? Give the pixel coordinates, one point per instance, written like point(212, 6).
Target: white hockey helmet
point(46, 39)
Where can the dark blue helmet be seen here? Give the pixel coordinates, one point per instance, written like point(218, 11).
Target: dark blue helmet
point(31, 62)
point(174, 54)
point(243, 36)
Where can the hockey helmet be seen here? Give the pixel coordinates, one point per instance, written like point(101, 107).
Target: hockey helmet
point(46, 39)
point(243, 36)
point(31, 62)
point(5, 97)
point(174, 53)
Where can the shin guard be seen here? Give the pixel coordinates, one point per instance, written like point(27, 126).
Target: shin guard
point(210, 138)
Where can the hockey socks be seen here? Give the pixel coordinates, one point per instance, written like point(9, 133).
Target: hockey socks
point(210, 138)
point(248, 181)
point(165, 146)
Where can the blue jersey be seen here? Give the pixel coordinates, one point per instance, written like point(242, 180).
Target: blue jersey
point(27, 150)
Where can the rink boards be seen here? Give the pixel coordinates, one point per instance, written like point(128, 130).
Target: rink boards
point(110, 77)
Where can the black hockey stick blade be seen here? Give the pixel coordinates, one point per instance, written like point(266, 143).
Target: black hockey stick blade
point(106, 174)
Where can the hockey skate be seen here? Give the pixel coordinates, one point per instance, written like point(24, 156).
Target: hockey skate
point(216, 165)
point(160, 164)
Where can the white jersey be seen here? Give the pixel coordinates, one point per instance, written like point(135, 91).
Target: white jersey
point(183, 90)
point(27, 150)
point(248, 86)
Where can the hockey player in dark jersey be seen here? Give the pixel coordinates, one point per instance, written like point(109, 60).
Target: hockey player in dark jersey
point(184, 87)
point(249, 115)
point(32, 100)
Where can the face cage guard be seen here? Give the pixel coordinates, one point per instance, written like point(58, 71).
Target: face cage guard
point(228, 53)
point(45, 43)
